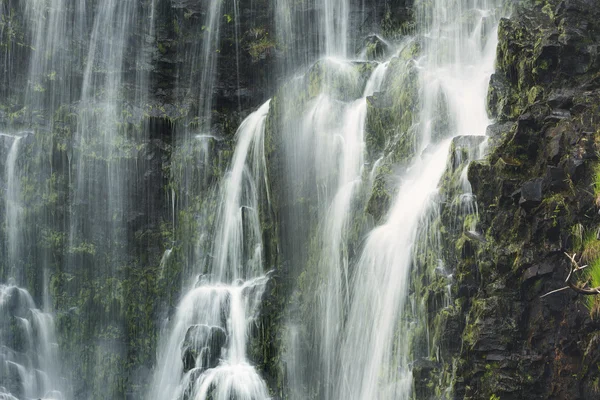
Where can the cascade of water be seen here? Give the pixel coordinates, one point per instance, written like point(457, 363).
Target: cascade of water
point(208, 62)
point(109, 146)
point(324, 151)
point(348, 144)
point(459, 54)
point(195, 155)
point(457, 63)
point(369, 365)
point(204, 354)
point(285, 34)
point(29, 346)
point(100, 170)
point(28, 350)
point(311, 29)
point(238, 244)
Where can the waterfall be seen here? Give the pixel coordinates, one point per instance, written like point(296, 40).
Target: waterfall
point(369, 365)
point(48, 85)
point(455, 69)
point(29, 362)
point(361, 301)
point(100, 177)
point(207, 63)
point(123, 102)
point(348, 143)
point(335, 27)
point(30, 366)
point(204, 353)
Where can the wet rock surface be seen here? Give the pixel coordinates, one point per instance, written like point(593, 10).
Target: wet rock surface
point(536, 184)
point(202, 347)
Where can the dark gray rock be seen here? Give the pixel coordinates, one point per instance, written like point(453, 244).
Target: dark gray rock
point(531, 194)
point(556, 179)
point(202, 347)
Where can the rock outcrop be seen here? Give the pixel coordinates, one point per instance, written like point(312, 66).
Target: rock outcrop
point(500, 339)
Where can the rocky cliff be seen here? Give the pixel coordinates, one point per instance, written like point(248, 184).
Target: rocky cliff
point(537, 199)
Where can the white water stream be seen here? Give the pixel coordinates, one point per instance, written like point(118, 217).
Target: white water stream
point(204, 354)
point(13, 206)
point(361, 331)
point(455, 69)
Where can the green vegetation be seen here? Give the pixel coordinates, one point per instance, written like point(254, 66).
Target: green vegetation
point(259, 44)
point(590, 256)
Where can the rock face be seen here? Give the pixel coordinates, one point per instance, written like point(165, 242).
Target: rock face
point(535, 193)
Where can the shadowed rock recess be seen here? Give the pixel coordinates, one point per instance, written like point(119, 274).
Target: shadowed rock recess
point(299, 199)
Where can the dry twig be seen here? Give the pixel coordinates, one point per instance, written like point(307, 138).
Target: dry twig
point(581, 288)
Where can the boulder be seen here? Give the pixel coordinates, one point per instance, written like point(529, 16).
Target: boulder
point(531, 194)
point(202, 347)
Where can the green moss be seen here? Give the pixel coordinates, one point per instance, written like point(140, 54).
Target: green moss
point(592, 275)
point(596, 181)
point(535, 94)
point(259, 43)
point(547, 9)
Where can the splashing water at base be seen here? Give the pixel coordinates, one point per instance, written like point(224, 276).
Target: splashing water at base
point(29, 365)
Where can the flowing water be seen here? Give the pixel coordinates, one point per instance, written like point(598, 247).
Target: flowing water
point(377, 370)
point(99, 187)
point(364, 340)
point(29, 364)
point(79, 151)
point(347, 142)
point(13, 206)
point(458, 59)
point(204, 355)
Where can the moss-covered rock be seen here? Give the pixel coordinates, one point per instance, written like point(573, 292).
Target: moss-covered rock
point(531, 189)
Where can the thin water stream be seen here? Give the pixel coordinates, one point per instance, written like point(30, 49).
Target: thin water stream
point(204, 354)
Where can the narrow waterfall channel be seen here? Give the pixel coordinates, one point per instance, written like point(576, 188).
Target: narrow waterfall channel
point(13, 206)
point(204, 356)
